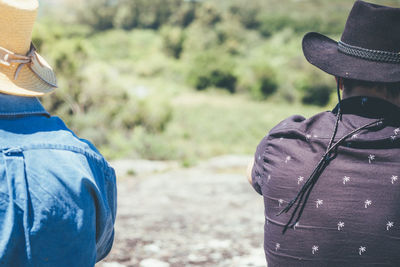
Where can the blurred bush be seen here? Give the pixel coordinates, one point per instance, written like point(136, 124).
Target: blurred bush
point(173, 40)
point(315, 88)
point(317, 94)
point(260, 80)
point(247, 13)
point(98, 14)
point(208, 14)
point(185, 15)
point(199, 38)
point(265, 83)
point(129, 14)
point(270, 24)
point(210, 69)
point(230, 35)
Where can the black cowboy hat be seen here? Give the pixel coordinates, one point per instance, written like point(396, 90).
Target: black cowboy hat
point(369, 49)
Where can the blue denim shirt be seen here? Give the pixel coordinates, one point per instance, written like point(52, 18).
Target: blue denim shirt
point(57, 193)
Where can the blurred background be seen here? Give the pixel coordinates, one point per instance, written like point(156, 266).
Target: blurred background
point(182, 84)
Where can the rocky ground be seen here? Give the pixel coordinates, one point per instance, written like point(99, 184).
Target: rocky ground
point(207, 215)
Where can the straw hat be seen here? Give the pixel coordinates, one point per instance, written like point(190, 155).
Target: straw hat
point(22, 70)
point(369, 49)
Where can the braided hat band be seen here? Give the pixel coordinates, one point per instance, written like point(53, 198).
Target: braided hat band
point(369, 54)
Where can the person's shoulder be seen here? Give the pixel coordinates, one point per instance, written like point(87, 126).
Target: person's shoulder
point(298, 127)
point(318, 125)
point(53, 134)
point(66, 136)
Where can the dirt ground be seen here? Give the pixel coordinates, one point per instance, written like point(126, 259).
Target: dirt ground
point(168, 216)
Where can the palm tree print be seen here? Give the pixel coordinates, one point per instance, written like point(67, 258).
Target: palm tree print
point(364, 100)
point(340, 225)
point(280, 201)
point(371, 158)
point(389, 225)
point(288, 158)
point(314, 249)
point(346, 179)
point(362, 250)
point(319, 202)
point(367, 203)
point(394, 178)
point(277, 246)
point(300, 179)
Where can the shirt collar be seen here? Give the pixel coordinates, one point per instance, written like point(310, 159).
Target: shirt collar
point(19, 106)
point(369, 107)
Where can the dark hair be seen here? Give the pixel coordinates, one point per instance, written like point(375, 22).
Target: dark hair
point(392, 89)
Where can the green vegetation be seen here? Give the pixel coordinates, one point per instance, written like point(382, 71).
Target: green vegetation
point(184, 80)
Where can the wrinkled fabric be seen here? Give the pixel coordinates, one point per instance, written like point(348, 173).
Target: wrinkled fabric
point(352, 217)
point(57, 193)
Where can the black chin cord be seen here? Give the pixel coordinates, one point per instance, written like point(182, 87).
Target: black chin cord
point(329, 155)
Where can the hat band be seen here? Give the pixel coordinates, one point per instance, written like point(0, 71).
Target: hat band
point(369, 54)
point(32, 59)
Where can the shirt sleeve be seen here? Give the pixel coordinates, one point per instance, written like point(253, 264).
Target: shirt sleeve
point(259, 173)
point(105, 217)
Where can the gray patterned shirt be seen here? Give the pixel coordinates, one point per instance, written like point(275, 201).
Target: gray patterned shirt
point(351, 217)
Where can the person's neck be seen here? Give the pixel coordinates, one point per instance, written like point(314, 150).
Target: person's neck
point(359, 91)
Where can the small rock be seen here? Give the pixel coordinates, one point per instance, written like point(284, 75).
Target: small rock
point(219, 244)
point(151, 248)
point(196, 258)
point(216, 256)
point(199, 246)
point(153, 263)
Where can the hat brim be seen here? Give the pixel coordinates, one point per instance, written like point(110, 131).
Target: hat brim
point(323, 53)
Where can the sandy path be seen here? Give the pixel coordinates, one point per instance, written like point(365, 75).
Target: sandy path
point(202, 216)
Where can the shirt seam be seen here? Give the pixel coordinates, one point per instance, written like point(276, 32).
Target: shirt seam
point(100, 160)
point(24, 113)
